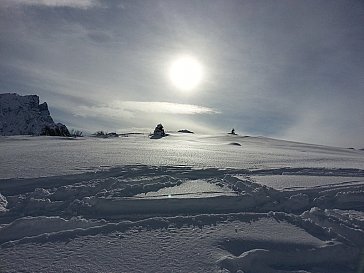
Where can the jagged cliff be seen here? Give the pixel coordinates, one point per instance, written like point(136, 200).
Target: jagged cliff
point(23, 115)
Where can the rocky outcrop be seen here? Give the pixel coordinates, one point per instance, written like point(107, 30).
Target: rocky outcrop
point(23, 115)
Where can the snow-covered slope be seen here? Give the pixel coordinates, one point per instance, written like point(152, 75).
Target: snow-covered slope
point(23, 115)
point(183, 203)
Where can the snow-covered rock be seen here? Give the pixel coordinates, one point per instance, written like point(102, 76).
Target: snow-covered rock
point(23, 115)
point(3, 203)
point(158, 132)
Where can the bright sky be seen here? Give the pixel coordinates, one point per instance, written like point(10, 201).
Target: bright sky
point(286, 69)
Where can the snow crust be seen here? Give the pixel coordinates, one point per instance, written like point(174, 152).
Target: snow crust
point(264, 206)
point(25, 157)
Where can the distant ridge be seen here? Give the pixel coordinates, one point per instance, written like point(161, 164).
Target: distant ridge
point(185, 131)
point(23, 115)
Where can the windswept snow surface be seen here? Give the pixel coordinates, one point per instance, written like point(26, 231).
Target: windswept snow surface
point(183, 203)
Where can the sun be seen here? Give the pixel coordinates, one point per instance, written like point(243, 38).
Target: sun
point(186, 73)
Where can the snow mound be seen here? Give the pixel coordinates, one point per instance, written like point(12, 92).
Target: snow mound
point(321, 259)
point(235, 144)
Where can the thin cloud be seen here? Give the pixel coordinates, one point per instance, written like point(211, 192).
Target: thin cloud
point(54, 3)
point(333, 123)
point(129, 108)
point(164, 107)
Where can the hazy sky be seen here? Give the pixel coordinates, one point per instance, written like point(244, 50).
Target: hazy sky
point(288, 69)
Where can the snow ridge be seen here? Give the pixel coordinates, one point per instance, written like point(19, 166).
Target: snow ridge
point(117, 202)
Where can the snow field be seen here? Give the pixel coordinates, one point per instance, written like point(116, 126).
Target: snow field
point(266, 216)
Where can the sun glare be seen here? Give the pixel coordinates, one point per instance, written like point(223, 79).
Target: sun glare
point(186, 73)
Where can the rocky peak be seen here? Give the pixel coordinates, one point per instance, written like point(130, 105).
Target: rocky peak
point(23, 115)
